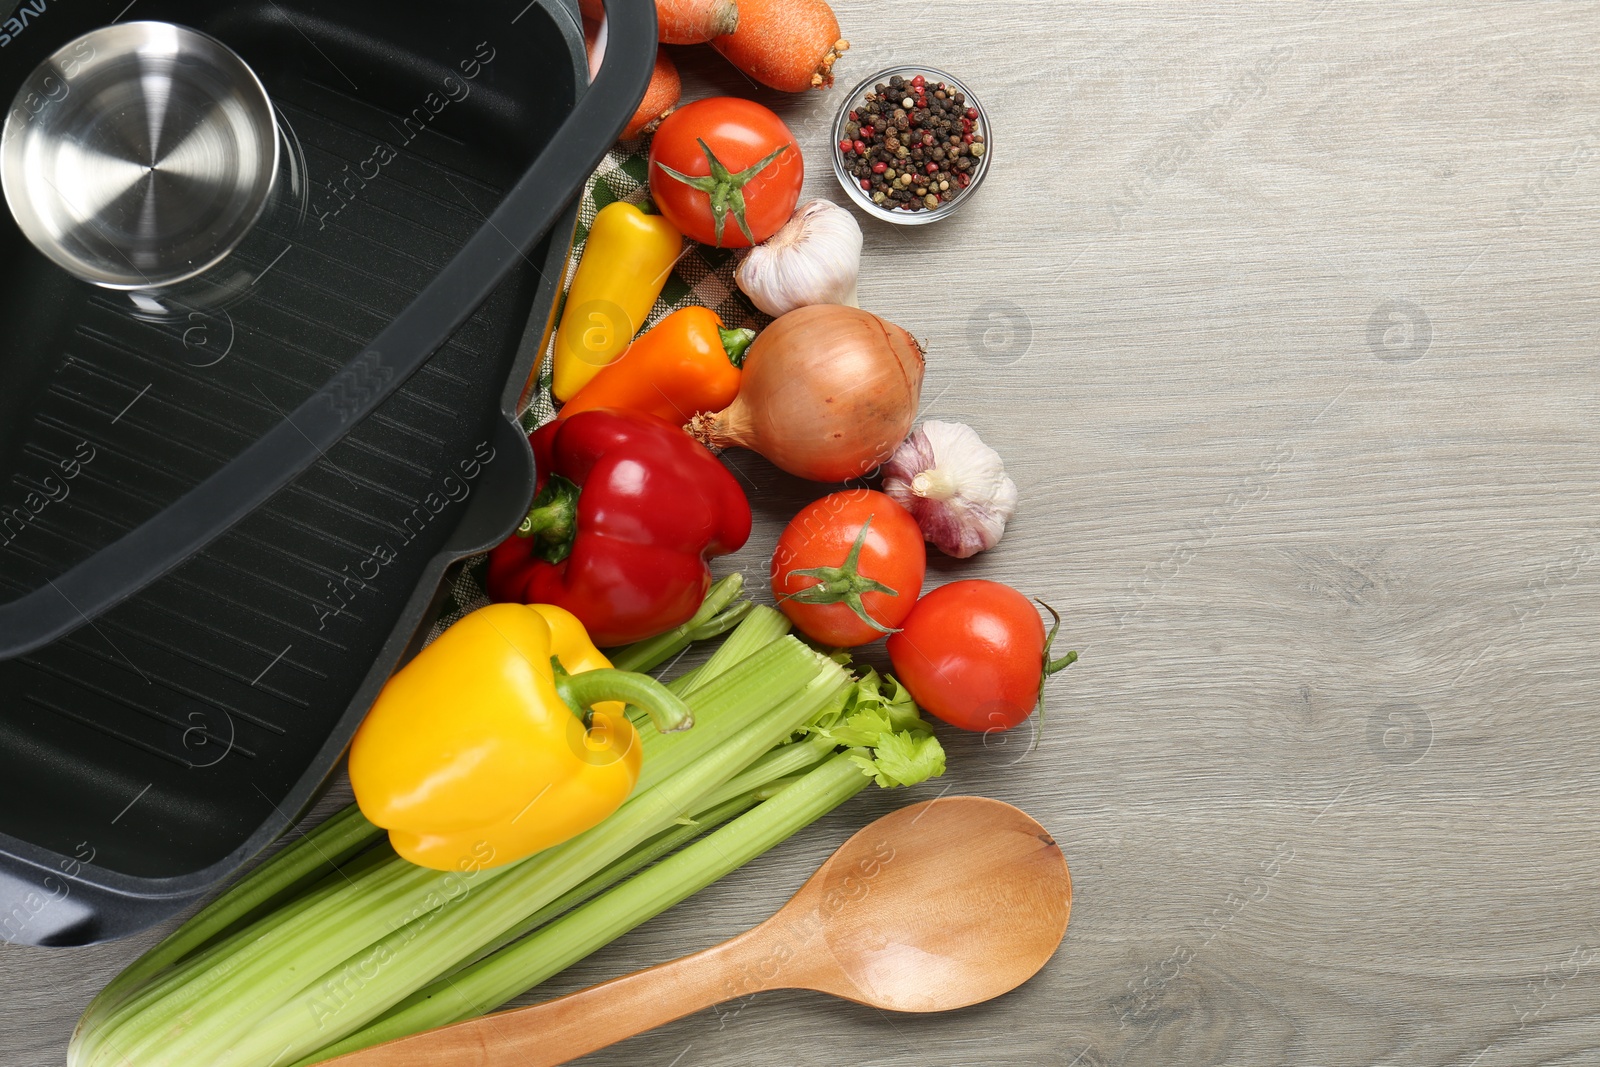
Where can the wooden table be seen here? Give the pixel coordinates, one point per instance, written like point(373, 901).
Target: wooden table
point(1285, 319)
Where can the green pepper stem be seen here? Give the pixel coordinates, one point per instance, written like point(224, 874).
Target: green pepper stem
point(583, 691)
point(735, 342)
point(552, 520)
point(844, 584)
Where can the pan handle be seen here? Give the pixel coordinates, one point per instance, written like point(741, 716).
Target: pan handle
point(211, 508)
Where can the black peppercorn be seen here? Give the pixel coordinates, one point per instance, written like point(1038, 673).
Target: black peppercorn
point(917, 142)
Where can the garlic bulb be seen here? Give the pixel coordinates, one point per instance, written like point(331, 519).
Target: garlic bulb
point(814, 259)
point(954, 485)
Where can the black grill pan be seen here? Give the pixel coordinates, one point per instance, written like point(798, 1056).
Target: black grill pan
point(220, 532)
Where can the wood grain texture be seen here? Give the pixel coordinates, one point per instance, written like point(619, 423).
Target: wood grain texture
point(1285, 318)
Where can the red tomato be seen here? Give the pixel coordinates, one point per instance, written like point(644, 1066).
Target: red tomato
point(849, 557)
point(974, 653)
point(740, 134)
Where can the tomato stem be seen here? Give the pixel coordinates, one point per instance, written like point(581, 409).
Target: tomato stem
point(844, 584)
point(1050, 666)
point(724, 188)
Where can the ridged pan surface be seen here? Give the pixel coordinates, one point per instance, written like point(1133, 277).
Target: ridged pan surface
point(158, 738)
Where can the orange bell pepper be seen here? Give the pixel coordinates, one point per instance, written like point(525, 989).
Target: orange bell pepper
point(686, 364)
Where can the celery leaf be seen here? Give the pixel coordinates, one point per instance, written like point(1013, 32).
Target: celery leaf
point(903, 758)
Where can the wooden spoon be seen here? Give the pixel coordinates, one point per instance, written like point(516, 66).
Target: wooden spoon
point(940, 905)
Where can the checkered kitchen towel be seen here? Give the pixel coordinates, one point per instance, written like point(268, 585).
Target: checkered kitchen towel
point(702, 278)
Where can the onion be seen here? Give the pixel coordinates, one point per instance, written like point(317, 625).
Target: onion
point(828, 393)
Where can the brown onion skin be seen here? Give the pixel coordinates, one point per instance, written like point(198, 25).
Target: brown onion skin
point(828, 393)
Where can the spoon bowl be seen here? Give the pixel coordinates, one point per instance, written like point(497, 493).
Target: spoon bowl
point(965, 900)
point(939, 905)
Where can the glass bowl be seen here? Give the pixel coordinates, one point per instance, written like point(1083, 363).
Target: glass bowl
point(852, 185)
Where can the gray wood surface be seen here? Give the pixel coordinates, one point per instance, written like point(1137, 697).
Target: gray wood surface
point(1285, 318)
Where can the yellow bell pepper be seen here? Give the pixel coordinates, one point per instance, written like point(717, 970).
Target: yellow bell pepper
point(505, 736)
point(625, 263)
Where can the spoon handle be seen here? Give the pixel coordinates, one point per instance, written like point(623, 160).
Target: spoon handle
point(564, 1029)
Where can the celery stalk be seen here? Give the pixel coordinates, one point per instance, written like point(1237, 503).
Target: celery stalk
point(321, 937)
point(294, 867)
point(664, 843)
point(171, 995)
point(349, 953)
point(347, 832)
point(551, 949)
point(281, 964)
point(272, 968)
point(723, 707)
point(411, 957)
point(717, 615)
point(268, 1005)
point(759, 629)
point(292, 870)
point(159, 988)
point(781, 762)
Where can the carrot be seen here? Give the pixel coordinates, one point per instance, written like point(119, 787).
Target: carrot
point(786, 44)
point(684, 21)
point(659, 99)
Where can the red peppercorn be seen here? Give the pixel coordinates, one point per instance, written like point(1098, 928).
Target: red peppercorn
point(855, 116)
point(866, 184)
point(963, 179)
point(966, 138)
point(860, 148)
point(845, 146)
point(966, 125)
point(866, 131)
point(919, 81)
point(932, 168)
point(972, 113)
point(880, 167)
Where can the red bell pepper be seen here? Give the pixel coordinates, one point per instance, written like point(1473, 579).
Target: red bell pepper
point(627, 511)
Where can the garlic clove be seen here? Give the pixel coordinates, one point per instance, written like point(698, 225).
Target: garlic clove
point(954, 485)
point(814, 259)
